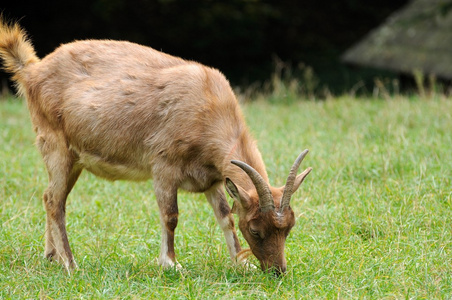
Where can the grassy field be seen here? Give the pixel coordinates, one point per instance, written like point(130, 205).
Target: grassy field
point(373, 218)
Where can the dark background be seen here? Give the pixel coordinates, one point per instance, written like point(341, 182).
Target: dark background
point(242, 38)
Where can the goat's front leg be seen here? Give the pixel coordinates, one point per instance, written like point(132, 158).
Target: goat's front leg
point(217, 200)
point(63, 173)
point(169, 213)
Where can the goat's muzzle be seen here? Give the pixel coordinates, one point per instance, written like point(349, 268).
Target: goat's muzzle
point(277, 269)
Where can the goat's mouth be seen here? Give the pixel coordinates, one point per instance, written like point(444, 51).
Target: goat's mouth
point(275, 269)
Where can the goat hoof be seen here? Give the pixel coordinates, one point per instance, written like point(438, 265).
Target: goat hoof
point(242, 259)
point(248, 265)
point(168, 264)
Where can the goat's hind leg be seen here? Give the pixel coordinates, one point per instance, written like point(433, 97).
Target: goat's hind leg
point(63, 173)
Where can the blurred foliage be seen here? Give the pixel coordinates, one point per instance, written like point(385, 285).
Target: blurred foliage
point(239, 37)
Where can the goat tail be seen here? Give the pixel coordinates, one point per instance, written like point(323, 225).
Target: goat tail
point(17, 52)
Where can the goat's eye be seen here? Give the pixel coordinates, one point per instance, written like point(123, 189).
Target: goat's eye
point(254, 233)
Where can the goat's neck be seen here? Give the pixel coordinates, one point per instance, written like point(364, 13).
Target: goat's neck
point(244, 150)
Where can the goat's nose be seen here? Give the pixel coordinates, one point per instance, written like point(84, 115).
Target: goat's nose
point(279, 270)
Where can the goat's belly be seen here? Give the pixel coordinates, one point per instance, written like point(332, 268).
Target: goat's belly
point(110, 170)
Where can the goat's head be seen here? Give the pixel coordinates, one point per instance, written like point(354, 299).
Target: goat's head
point(265, 215)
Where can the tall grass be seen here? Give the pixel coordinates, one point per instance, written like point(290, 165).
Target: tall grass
point(373, 218)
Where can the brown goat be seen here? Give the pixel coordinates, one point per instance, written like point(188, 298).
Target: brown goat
point(125, 111)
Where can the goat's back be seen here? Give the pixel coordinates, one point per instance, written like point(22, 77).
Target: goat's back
point(122, 105)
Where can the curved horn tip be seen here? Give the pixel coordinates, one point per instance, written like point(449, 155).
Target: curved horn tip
point(300, 158)
point(287, 194)
point(304, 153)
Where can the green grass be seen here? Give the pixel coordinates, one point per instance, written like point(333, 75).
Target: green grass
point(373, 218)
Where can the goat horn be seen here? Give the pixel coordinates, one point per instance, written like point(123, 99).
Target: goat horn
point(265, 196)
point(288, 189)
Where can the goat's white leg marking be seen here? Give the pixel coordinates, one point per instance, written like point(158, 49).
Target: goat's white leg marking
point(167, 259)
point(227, 225)
point(164, 260)
point(217, 200)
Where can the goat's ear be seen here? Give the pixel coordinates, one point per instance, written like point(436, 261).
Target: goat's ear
point(232, 189)
point(238, 194)
point(300, 178)
point(234, 208)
